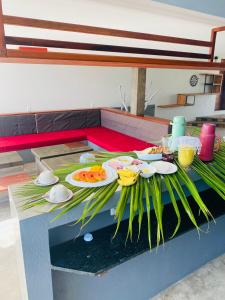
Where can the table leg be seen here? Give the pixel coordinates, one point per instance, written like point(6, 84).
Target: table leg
point(36, 258)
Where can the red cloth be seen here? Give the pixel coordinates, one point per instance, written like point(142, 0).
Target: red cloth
point(103, 137)
point(114, 141)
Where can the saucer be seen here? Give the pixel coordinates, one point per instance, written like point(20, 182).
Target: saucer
point(47, 198)
point(36, 182)
point(164, 168)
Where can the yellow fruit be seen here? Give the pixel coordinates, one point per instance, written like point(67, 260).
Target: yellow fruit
point(124, 181)
point(126, 173)
point(96, 169)
point(127, 177)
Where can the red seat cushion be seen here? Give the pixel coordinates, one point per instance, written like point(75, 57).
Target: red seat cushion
point(27, 141)
point(114, 141)
point(103, 137)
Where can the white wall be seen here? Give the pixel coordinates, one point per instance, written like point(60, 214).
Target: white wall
point(169, 83)
point(41, 87)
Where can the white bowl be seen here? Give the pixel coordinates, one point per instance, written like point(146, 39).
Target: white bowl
point(46, 178)
point(145, 156)
point(124, 160)
point(147, 171)
point(58, 193)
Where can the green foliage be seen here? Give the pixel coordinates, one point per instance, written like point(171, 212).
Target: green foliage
point(144, 194)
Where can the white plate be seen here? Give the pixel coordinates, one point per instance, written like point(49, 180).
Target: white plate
point(146, 156)
point(137, 168)
point(47, 198)
point(164, 168)
point(124, 161)
point(36, 182)
point(111, 175)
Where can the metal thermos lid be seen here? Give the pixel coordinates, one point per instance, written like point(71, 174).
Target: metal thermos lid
point(179, 120)
point(208, 128)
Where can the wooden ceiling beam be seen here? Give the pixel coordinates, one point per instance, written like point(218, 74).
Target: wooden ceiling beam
point(218, 29)
point(18, 56)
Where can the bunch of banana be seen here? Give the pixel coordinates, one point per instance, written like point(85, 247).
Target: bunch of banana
point(127, 177)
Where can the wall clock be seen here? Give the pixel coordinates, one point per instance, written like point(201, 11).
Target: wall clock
point(193, 80)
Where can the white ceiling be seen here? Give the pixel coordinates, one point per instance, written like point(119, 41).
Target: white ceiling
point(161, 8)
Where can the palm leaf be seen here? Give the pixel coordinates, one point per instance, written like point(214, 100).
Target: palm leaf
point(132, 213)
point(140, 206)
point(124, 195)
point(148, 208)
point(155, 188)
point(104, 200)
point(175, 182)
point(174, 203)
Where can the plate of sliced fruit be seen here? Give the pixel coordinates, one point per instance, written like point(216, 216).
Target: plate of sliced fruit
point(119, 162)
point(94, 176)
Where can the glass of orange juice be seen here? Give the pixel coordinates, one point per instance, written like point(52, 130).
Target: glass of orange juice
point(186, 155)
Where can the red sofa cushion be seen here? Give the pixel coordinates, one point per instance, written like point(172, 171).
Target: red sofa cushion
point(103, 137)
point(27, 141)
point(114, 141)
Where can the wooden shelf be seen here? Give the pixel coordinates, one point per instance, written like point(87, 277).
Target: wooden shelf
point(173, 105)
point(182, 100)
point(197, 94)
point(210, 74)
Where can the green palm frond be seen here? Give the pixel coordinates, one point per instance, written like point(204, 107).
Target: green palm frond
point(156, 193)
point(174, 203)
point(145, 193)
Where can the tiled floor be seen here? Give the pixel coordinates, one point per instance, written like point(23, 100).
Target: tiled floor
point(208, 283)
point(9, 277)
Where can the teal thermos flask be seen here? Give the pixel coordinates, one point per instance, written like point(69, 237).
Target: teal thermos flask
point(178, 126)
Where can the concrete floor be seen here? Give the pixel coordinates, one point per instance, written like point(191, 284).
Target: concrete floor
point(208, 283)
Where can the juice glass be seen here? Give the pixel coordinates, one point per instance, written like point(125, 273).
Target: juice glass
point(186, 155)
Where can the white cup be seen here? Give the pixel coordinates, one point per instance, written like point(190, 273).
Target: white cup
point(46, 177)
point(58, 193)
point(86, 158)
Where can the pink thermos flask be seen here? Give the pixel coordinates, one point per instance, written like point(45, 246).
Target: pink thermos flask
point(207, 138)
